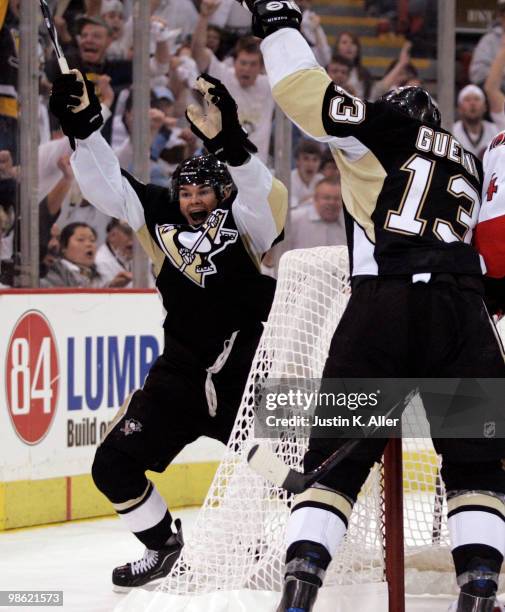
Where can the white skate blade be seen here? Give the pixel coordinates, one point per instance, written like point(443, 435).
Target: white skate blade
point(265, 463)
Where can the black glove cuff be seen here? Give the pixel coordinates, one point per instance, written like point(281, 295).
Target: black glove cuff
point(267, 21)
point(233, 153)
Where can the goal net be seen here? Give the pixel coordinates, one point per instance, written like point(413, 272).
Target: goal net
point(233, 557)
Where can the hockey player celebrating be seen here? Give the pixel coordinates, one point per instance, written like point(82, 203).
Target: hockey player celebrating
point(206, 238)
point(412, 199)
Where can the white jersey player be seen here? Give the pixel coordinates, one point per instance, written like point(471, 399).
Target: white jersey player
point(490, 231)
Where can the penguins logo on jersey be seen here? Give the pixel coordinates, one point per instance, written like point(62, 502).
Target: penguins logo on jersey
point(191, 250)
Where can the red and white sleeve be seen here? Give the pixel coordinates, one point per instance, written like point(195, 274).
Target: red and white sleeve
point(490, 231)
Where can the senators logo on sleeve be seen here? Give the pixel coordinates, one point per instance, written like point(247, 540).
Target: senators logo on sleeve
point(191, 250)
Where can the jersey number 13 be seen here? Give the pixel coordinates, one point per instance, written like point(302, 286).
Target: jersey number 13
point(408, 218)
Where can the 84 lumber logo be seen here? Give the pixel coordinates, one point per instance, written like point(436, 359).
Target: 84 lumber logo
point(191, 250)
point(32, 377)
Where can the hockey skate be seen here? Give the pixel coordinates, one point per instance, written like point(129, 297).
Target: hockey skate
point(154, 565)
point(301, 583)
point(298, 595)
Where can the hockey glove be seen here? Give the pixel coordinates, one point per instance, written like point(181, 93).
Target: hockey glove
point(74, 103)
point(219, 127)
point(270, 16)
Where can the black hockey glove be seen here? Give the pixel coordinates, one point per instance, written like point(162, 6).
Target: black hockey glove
point(74, 103)
point(270, 16)
point(219, 127)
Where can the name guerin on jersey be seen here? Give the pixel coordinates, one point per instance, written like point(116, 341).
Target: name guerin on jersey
point(445, 145)
point(191, 249)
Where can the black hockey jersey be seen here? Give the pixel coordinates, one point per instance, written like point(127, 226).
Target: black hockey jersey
point(208, 276)
point(411, 192)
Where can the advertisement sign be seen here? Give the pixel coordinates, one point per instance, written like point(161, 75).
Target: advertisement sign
point(68, 362)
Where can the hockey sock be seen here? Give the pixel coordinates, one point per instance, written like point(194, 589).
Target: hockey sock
point(319, 515)
point(477, 528)
point(148, 518)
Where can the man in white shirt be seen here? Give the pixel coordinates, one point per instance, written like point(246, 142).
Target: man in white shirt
point(116, 254)
point(231, 16)
point(472, 131)
point(178, 14)
point(244, 80)
point(306, 175)
point(320, 224)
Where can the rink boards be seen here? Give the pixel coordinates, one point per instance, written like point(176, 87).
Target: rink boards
point(68, 361)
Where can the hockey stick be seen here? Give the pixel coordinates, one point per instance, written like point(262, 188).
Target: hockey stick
point(53, 34)
point(62, 60)
point(266, 463)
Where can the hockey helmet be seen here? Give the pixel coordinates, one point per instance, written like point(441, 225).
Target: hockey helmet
point(202, 170)
point(415, 102)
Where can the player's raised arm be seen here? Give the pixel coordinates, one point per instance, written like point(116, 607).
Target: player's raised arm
point(260, 207)
point(96, 167)
point(299, 84)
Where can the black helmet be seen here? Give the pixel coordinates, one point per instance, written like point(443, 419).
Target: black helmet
point(415, 102)
point(202, 170)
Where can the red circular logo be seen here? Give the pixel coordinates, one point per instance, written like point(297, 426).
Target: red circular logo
point(31, 376)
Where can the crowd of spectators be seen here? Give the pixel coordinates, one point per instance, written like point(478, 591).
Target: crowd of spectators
point(81, 247)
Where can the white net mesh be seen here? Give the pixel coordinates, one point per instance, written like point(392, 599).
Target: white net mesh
point(238, 540)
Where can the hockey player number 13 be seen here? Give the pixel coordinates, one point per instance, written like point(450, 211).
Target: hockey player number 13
point(408, 218)
point(347, 109)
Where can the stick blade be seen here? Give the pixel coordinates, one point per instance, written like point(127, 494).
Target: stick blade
point(266, 463)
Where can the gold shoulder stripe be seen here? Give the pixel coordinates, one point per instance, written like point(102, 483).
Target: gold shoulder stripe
point(301, 97)
point(362, 184)
point(153, 251)
point(278, 201)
